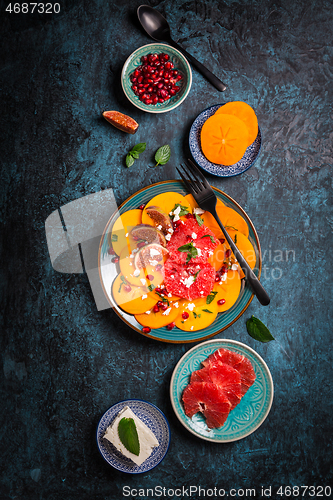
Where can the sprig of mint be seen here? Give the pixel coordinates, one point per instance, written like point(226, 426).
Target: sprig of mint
point(135, 153)
point(128, 435)
point(199, 219)
point(183, 210)
point(210, 297)
point(257, 330)
point(123, 282)
point(162, 155)
point(208, 311)
point(190, 249)
point(208, 236)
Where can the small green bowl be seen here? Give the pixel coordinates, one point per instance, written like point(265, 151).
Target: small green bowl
point(180, 64)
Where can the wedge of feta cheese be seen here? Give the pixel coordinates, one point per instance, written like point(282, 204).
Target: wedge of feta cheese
point(147, 439)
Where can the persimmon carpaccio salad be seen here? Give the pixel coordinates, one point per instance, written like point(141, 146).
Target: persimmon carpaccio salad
point(175, 268)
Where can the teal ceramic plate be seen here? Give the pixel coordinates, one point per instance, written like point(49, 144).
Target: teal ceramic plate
point(108, 270)
point(180, 64)
point(248, 415)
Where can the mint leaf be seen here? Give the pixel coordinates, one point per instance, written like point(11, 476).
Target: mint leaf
point(257, 330)
point(196, 274)
point(235, 239)
point(190, 249)
point(114, 237)
point(208, 311)
point(196, 315)
point(135, 154)
point(210, 297)
point(123, 282)
point(208, 236)
point(162, 155)
point(139, 148)
point(151, 287)
point(183, 210)
point(129, 160)
point(128, 435)
point(199, 219)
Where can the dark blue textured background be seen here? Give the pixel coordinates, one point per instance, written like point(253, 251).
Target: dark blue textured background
point(63, 363)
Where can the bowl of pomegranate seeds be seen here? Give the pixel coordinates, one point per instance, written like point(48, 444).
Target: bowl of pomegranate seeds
point(156, 78)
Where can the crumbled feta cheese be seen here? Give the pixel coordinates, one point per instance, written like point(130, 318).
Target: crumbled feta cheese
point(159, 227)
point(126, 235)
point(224, 277)
point(194, 236)
point(172, 276)
point(190, 306)
point(131, 256)
point(210, 252)
point(176, 305)
point(167, 312)
point(135, 250)
point(198, 211)
point(201, 293)
point(188, 281)
point(177, 210)
point(136, 273)
point(192, 327)
point(144, 297)
point(154, 262)
point(149, 311)
point(170, 230)
point(234, 267)
point(153, 252)
point(176, 217)
point(199, 252)
point(168, 237)
point(169, 294)
point(143, 281)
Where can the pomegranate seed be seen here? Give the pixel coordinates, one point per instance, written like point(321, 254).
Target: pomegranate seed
point(127, 288)
point(217, 277)
point(222, 240)
point(150, 277)
point(140, 79)
point(161, 100)
point(166, 57)
point(221, 302)
point(228, 253)
point(146, 329)
point(141, 244)
point(223, 270)
point(156, 308)
point(164, 306)
point(141, 207)
point(158, 289)
point(185, 315)
point(188, 237)
point(160, 303)
point(189, 216)
point(111, 251)
point(144, 59)
point(115, 260)
point(170, 326)
point(159, 267)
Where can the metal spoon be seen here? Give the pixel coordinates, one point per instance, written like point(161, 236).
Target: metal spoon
point(158, 28)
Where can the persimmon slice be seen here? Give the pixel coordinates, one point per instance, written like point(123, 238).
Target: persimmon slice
point(244, 112)
point(224, 139)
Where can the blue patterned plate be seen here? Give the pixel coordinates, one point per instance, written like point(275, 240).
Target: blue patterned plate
point(250, 155)
point(180, 64)
point(153, 418)
point(108, 271)
point(248, 415)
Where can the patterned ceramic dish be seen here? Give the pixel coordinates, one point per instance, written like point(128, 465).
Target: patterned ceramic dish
point(250, 155)
point(180, 64)
point(108, 270)
point(153, 418)
point(248, 415)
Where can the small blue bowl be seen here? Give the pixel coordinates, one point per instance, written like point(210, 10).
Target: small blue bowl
point(250, 155)
point(180, 64)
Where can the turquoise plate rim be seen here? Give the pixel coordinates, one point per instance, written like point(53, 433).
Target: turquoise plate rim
point(255, 414)
point(172, 103)
point(223, 320)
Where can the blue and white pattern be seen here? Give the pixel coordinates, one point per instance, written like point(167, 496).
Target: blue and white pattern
point(153, 418)
point(180, 64)
point(250, 155)
point(247, 416)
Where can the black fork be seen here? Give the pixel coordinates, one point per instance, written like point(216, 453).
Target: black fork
point(206, 199)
